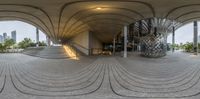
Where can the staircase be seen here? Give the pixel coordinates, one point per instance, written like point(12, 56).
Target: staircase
point(52, 52)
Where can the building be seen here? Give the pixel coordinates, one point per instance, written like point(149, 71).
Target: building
point(14, 36)
point(5, 36)
point(1, 39)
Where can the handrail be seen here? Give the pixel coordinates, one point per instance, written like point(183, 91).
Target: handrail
point(80, 45)
point(79, 48)
point(82, 49)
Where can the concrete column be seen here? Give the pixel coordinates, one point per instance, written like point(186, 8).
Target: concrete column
point(37, 37)
point(125, 41)
point(195, 38)
point(90, 51)
point(114, 45)
point(173, 38)
point(48, 41)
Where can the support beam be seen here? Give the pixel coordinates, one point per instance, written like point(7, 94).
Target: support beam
point(155, 31)
point(125, 41)
point(37, 37)
point(173, 39)
point(195, 38)
point(140, 28)
point(149, 26)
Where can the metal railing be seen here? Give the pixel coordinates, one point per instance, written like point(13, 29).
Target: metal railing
point(80, 49)
point(72, 51)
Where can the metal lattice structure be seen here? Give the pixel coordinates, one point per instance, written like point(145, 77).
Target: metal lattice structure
point(152, 34)
point(153, 46)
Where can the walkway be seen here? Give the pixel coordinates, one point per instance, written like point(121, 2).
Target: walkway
point(26, 77)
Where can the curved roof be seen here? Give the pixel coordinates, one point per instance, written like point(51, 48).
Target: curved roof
point(63, 19)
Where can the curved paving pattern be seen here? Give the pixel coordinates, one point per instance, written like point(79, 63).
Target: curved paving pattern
point(126, 84)
point(105, 77)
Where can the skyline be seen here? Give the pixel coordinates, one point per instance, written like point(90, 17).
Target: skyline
point(183, 34)
point(5, 36)
point(23, 30)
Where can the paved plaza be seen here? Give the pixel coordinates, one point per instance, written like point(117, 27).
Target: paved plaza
point(104, 77)
point(102, 49)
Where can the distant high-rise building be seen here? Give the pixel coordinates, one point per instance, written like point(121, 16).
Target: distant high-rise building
point(14, 36)
point(1, 39)
point(199, 38)
point(8, 37)
point(5, 36)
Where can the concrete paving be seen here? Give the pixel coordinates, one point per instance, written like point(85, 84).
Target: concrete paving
point(51, 52)
point(26, 77)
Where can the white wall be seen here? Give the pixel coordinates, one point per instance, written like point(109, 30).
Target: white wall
point(95, 44)
point(82, 42)
point(86, 41)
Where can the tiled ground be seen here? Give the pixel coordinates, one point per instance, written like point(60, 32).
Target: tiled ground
point(26, 77)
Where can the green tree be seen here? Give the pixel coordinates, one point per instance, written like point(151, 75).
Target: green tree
point(27, 42)
point(8, 43)
point(42, 43)
point(175, 46)
point(188, 47)
point(199, 46)
point(2, 48)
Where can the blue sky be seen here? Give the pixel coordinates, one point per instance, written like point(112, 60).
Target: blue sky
point(23, 30)
point(183, 34)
